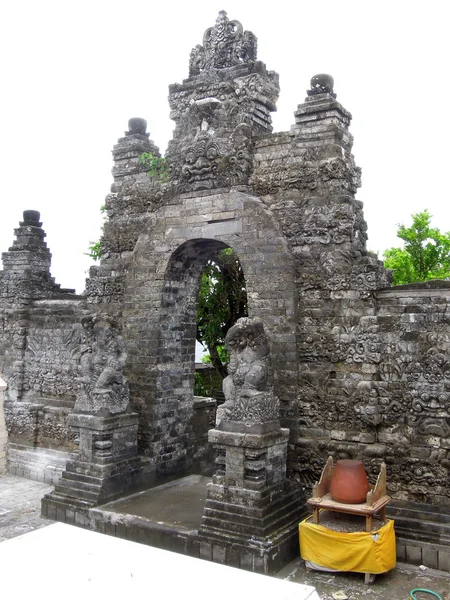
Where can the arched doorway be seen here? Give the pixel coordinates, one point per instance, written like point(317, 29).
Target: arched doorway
point(160, 308)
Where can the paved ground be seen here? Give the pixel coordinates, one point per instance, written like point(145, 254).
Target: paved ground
point(20, 506)
point(394, 585)
point(20, 513)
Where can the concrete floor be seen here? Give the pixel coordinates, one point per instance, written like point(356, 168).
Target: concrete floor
point(179, 503)
point(20, 506)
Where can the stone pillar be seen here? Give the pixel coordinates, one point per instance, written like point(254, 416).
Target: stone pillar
point(132, 194)
point(106, 465)
point(252, 510)
point(3, 432)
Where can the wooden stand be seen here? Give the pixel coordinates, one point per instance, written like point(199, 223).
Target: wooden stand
point(376, 501)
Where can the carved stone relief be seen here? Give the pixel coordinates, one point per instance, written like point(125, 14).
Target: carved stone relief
point(102, 386)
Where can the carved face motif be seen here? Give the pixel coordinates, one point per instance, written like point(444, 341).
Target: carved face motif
point(201, 164)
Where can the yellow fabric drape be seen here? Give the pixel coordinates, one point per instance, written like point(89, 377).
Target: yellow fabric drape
point(360, 552)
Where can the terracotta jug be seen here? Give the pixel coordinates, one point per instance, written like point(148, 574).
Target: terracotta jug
point(349, 483)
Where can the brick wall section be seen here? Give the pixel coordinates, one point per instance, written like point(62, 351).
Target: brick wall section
point(411, 395)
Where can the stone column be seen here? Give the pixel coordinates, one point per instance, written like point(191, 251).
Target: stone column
point(252, 510)
point(107, 464)
point(3, 432)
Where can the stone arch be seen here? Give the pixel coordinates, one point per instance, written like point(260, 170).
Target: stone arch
point(161, 303)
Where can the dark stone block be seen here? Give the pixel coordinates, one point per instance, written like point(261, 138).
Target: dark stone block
point(219, 554)
point(233, 556)
point(413, 555)
point(444, 560)
point(205, 550)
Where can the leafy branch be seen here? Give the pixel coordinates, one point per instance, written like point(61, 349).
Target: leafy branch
point(155, 166)
point(94, 248)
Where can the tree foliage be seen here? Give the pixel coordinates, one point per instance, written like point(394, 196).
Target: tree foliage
point(222, 301)
point(155, 166)
point(425, 254)
point(95, 251)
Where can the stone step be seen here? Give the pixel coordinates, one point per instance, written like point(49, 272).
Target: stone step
point(81, 478)
point(420, 511)
point(225, 520)
point(73, 491)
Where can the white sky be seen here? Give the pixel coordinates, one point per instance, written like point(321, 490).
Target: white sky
point(73, 73)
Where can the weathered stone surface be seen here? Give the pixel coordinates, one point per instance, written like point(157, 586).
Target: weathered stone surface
point(3, 431)
point(249, 399)
point(358, 370)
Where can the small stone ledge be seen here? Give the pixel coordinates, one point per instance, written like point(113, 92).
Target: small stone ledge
point(38, 464)
point(414, 552)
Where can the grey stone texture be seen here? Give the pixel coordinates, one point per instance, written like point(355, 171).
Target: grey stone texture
point(3, 431)
point(360, 370)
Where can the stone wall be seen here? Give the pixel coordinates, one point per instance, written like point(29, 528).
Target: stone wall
point(3, 430)
point(36, 412)
point(388, 399)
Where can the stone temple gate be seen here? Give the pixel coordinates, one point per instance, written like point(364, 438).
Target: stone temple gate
point(99, 398)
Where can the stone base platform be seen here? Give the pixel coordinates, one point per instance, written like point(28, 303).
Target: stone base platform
point(169, 517)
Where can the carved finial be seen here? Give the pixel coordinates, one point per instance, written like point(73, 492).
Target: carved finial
point(321, 84)
point(31, 217)
point(137, 126)
point(224, 45)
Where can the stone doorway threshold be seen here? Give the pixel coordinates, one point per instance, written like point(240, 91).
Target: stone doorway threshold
point(166, 517)
point(177, 504)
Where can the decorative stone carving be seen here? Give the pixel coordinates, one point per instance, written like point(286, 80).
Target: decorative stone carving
point(321, 84)
point(310, 173)
point(210, 161)
point(103, 388)
point(224, 45)
point(248, 388)
point(137, 126)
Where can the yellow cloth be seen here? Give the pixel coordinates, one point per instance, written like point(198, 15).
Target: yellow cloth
point(360, 552)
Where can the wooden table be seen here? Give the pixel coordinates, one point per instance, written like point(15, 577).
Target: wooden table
point(363, 510)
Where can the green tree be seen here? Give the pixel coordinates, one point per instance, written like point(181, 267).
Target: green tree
point(222, 301)
point(425, 254)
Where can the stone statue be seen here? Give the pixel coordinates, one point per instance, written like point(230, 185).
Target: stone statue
point(103, 389)
point(248, 388)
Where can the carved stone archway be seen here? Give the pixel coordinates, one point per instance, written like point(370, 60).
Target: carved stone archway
point(161, 305)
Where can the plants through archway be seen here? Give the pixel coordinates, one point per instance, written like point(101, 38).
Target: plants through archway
point(222, 301)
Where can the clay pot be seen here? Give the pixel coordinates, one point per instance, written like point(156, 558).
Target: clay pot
point(349, 483)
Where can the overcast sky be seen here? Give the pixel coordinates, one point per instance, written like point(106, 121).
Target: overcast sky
point(73, 73)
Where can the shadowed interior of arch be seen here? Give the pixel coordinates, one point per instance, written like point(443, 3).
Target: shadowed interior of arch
point(182, 323)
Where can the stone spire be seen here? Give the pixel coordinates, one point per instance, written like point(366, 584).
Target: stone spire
point(227, 100)
point(321, 116)
point(29, 250)
point(26, 275)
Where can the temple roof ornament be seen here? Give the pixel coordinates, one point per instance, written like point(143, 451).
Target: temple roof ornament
point(224, 45)
point(321, 84)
